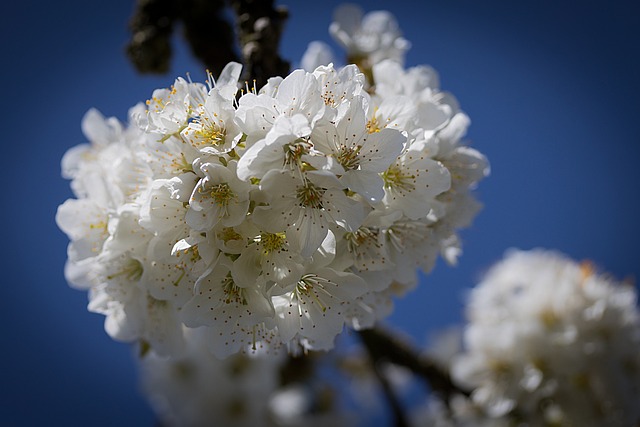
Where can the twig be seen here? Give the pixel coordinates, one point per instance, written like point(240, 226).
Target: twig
point(383, 347)
point(398, 412)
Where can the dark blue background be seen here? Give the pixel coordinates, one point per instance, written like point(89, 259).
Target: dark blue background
point(551, 87)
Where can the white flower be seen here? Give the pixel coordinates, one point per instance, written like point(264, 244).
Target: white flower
point(360, 156)
point(285, 146)
point(372, 37)
point(169, 109)
point(553, 341)
point(298, 93)
point(317, 54)
point(86, 225)
point(204, 117)
point(164, 216)
point(213, 130)
point(339, 85)
point(231, 308)
point(313, 312)
point(433, 109)
point(219, 198)
point(131, 313)
point(363, 312)
point(269, 258)
point(368, 251)
point(306, 208)
point(413, 181)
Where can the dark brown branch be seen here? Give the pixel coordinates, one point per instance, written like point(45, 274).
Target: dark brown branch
point(383, 347)
point(210, 36)
point(387, 389)
point(259, 28)
point(151, 27)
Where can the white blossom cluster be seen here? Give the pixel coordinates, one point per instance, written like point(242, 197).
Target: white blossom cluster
point(550, 343)
point(267, 218)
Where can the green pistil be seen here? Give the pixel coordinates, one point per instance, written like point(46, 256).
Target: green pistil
point(183, 272)
point(176, 134)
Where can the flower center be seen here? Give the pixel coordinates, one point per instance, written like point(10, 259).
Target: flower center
point(132, 270)
point(359, 237)
point(227, 234)
point(180, 164)
point(232, 292)
point(210, 133)
point(373, 125)
point(310, 286)
point(272, 242)
point(395, 178)
point(221, 194)
point(348, 157)
point(310, 196)
point(293, 152)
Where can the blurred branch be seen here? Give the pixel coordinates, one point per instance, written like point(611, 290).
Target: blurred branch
point(384, 348)
point(209, 35)
point(151, 27)
point(387, 389)
point(259, 27)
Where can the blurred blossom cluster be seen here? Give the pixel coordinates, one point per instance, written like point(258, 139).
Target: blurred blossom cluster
point(550, 342)
point(243, 390)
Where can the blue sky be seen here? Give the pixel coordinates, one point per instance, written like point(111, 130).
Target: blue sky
point(552, 91)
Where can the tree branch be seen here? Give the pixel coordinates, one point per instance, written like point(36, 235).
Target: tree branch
point(209, 35)
point(383, 347)
point(387, 389)
point(259, 28)
point(151, 26)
